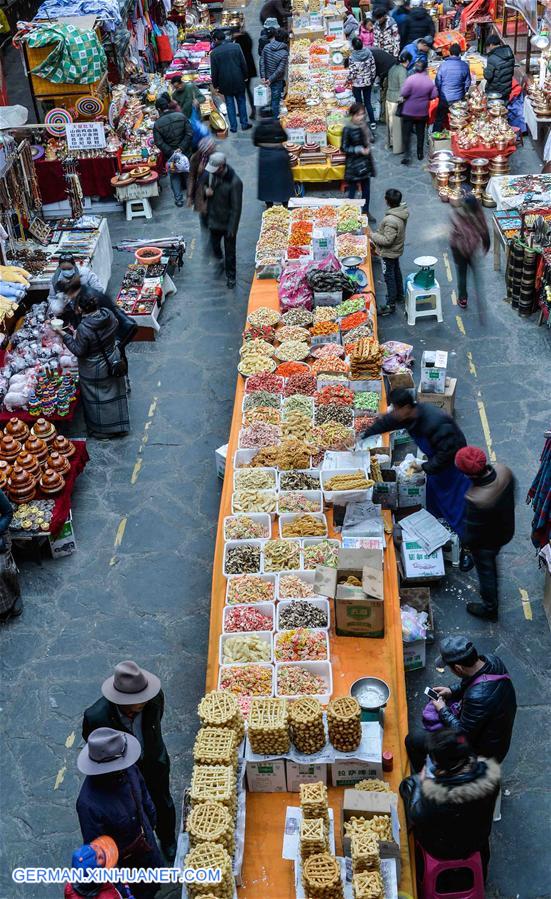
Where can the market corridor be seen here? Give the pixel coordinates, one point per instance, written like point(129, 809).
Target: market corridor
point(146, 511)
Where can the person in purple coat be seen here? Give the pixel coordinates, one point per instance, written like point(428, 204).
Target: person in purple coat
point(417, 92)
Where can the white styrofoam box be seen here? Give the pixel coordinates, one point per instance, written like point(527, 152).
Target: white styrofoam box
point(265, 608)
point(290, 540)
point(270, 578)
point(374, 384)
point(310, 541)
point(322, 604)
point(291, 516)
point(342, 497)
point(224, 668)
point(230, 543)
point(263, 518)
point(321, 669)
point(313, 629)
point(238, 475)
point(270, 494)
point(314, 495)
point(284, 407)
point(307, 576)
point(265, 636)
point(220, 456)
point(313, 472)
point(247, 384)
point(245, 408)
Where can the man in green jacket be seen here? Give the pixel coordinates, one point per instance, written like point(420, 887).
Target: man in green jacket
point(133, 702)
point(186, 94)
point(389, 240)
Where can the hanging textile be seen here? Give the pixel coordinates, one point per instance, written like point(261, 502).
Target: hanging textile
point(540, 496)
point(77, 58)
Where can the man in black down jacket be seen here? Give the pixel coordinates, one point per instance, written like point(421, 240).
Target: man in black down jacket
point(276, 9)
point(487, 697)
point(450, 806)
point(500, 67)
point(172, 131)
point(224, 194)
point(438, 436)
point(229, 74)
point(133, 702)
point(488, 522)
point(418, 24)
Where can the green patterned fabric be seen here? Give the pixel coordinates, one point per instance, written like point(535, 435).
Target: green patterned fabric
point(77, 58)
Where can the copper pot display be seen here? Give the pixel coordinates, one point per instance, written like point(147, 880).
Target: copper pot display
point(51, 482)
point(61, 445)
point(37, 447)
point(57, 462)
point(9, 448)
point(17, 429)
point(44, 429)
point(21, 485)
point(29, 463)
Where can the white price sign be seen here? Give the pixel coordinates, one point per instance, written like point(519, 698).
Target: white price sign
point(85, 136)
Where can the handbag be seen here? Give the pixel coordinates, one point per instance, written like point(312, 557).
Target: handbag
point(116, 369)
point(140, 845)
point(430, 716)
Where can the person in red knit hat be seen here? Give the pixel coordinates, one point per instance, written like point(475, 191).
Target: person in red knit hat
point(488, 522)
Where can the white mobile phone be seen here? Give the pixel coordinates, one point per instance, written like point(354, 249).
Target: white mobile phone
point(432, 694)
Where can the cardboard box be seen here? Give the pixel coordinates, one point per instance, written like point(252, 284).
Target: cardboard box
point(411, 494)
point(437, 144)
point(433, 371)
point(401, 443)
point(416, 563)
point(445, 401)
point(400, 379)
point(220, 456)
point(64, 543)
point(385, 492)
point(362, 764)
point(304, 774)
point(267, 776)
point(359, 611)
point(364, 804)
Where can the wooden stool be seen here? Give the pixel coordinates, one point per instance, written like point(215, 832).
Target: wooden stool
point(137, 209)
point(417, 294)
point(433, 867)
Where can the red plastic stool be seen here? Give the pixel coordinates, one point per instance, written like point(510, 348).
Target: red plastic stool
point(432, 867)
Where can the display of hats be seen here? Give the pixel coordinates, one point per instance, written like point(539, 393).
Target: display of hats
point(56, 120)
point(17, 429)
point(62, 445)
point(21, 485)
point(122, 180)
point(9, 448)
point(141, 171)
point(88, 106)
point(44, 429)
point(51, 482)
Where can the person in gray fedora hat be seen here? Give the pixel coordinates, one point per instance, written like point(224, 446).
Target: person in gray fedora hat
point(133, 702)
point(114, 801)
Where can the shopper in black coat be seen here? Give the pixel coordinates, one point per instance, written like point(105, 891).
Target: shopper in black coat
point(172, 132)
point(488, 522)
point(275, 178)
point(500, 68)
point(488, 702)
point(144, 720)
point(229, 75)
point(417, 24)
point(276, 9)
point(450, 804)
point(245, 41)
point(355, 144)
point(224, 195)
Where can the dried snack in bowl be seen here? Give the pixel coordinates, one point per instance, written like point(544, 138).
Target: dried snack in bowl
point(322, 553)
point(264, 315)
point(281, 555)
point(304, 526)
point(247, 680)
point(294, 680)
point(245, 649)
point(249, 588)
point(301, 644)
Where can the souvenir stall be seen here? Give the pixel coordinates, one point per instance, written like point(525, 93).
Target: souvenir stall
point(145, 287)
point(309, 381)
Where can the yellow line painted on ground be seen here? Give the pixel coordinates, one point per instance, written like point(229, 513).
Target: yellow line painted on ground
point(460, 325)
point(447, 267)
point(454, 298)
point(152, 408)
point(189, 252)
point(70, 740)
point(486, 429)
point(120, 531)
point(136, 471)
point(526, 604)
point(59, 777)
point(472, 366)
point(113, 561)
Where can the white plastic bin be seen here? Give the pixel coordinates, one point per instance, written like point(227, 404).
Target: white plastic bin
point(310, 541)
point(265, 636)
point(321, 669)
point(342, 497)
point(321, 603)
point(269, 578)
point(308, 577)
point(224, 668)
point(262, 518)
point(313, 630)
point(292, 516)
point(240, 475)
point(231, 543)
point(265, 608)
point(313, 472)
point(313, 495)
point(270, 495)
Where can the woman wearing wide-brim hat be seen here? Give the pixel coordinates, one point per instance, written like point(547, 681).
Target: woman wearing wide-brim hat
point(114, 801)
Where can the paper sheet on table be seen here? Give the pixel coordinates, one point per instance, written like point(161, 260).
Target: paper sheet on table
point(426, 530)
point(291, 834)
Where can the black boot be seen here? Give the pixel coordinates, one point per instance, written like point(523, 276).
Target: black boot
point(479, 610)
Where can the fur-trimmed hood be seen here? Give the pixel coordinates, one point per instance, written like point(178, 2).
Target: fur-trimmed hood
point(483, 782)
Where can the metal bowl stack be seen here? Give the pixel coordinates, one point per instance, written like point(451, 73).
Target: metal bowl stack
point(480, 175)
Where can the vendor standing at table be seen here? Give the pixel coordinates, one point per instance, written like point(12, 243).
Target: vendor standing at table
point(62, 277)
point(439, 438)
point(187, 95)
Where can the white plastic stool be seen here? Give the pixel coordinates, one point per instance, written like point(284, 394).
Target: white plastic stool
point(137, 209)
point(416, 293)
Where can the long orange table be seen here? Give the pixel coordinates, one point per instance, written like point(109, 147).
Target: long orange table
point(265, 874)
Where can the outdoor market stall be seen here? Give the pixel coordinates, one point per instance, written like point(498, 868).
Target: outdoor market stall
point(270, 406)
point(143, 292)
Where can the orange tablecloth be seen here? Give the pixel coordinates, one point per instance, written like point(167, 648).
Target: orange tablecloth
point(265, 873)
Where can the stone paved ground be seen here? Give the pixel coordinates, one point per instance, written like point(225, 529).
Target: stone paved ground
point(148, 596)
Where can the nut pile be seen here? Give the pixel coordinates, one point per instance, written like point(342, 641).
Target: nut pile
point(301, 317)
point(343, 722)
point(295, 680)
point(268, 729)
point(325, 314)
point(292, 350)
point(281, 555)
point(301, 645)
point(249, 588)
point(302, 614)
point(246, 649)
point(270, 383)
point(263, 316)
point(242, 559)
point(306, 724)
point(298, 480)
point(246, 618)
point(293, 332)
point(262, 413)
point(254, 362)
point(297, 426)
point(254, 501)
point(338, 413)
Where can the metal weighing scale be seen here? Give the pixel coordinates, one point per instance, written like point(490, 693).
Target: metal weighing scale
point(351, 265)
point(372, 694)
point(425, 277)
